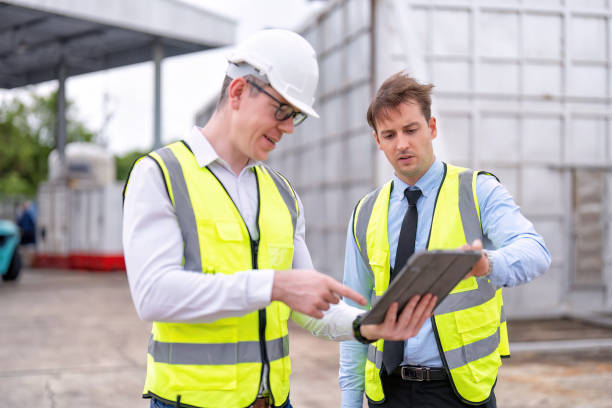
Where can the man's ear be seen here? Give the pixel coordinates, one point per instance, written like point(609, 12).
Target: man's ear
point(376, 139)
point(433, 127)
point(236, 91)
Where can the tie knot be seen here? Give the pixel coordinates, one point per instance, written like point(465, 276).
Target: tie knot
point(412, 196)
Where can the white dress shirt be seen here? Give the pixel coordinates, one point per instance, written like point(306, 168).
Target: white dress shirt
point(162, 290)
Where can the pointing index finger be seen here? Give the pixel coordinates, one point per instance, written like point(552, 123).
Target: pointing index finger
point(345, 291)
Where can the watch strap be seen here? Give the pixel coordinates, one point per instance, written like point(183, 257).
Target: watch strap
point(357, 331)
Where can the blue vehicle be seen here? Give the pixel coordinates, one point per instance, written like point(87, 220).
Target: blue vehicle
point(10, 262)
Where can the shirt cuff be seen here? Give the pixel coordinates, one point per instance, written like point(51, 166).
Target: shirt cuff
point(352, 398)
point(259, 287)
point(497, 270)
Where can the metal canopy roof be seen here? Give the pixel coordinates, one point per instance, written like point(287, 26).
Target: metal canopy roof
point(37, 36)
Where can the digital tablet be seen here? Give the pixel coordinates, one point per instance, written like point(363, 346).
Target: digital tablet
point(436, 272)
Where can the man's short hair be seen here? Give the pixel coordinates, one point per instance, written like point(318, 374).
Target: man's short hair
point(223, 96)
point(397, 89)
point(228, 80)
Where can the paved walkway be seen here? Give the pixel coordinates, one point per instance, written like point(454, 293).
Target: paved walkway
point(72, 340)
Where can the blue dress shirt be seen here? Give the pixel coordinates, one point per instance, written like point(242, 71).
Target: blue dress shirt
point(517, 250)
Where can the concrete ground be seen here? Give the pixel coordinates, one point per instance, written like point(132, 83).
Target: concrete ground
point(72, 339)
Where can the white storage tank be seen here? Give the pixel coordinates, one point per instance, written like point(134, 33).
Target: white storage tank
point(86, 164)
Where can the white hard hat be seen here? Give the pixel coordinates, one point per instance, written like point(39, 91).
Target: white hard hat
point(286, 60)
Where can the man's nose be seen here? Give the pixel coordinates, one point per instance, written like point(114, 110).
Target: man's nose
point(403, 142)
point(286, 126)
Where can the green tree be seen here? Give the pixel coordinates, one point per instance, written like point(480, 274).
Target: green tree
point(27, 136)
point(124, 163)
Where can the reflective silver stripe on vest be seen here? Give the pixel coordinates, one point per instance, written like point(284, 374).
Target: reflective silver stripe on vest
point(216, 353)
point(468, 299)
point(374, 299)
point(184, 211)
point(502, 315)
point(285, 192)
point(361, 228)
point(472, 352)
point(467, 208)
point(375, 356)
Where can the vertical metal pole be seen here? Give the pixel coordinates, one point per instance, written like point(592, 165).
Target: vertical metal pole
point(158, 55)
point(60, 135)
point(375, 54)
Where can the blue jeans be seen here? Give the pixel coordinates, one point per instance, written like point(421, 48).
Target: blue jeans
point(158, 404)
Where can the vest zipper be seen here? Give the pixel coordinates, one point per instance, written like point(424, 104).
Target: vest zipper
point(262, 329)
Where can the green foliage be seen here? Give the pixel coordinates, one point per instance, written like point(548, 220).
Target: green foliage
point(124, 163)
point(27, 136)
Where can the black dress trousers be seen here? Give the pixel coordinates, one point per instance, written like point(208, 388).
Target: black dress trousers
point(422, 394)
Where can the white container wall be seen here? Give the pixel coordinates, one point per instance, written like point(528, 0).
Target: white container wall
point(84, 220)
point(81, 211)
point(96, 220)
point(53, 223)
point(523, 89)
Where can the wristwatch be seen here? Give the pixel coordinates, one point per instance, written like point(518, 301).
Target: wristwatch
point(489, 261)
point(357, 331)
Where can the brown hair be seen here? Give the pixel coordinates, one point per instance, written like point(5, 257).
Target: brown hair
point(397, 89)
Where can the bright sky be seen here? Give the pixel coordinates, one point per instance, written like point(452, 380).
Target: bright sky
point(125, 95)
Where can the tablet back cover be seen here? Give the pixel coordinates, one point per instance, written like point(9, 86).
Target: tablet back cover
point(436, 272)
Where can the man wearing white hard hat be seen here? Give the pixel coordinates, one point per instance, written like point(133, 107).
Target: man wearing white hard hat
point(214, 244)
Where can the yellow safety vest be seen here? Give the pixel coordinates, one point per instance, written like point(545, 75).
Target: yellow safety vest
point(220, 364)
point(470, 325)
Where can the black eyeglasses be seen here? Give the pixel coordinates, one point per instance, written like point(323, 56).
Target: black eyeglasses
point(283, 111)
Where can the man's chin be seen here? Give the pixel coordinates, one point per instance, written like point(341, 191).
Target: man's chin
point(407, 171)
point(262, 156)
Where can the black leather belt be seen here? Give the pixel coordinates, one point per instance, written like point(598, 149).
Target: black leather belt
point(412, 373)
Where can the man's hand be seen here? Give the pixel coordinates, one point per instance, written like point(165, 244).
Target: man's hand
point(404, 326)
point(310, 292)
point(481, 268)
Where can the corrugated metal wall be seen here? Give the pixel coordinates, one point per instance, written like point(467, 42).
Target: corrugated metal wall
point(523, 89)
point(331, 161)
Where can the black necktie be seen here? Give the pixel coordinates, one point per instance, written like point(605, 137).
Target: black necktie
point(393, 351)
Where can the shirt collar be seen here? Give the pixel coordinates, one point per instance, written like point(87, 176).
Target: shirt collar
point(428, 183)
point(205, 153)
